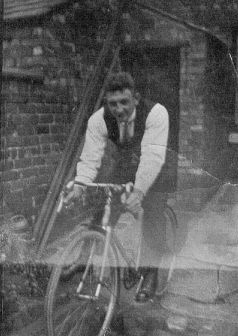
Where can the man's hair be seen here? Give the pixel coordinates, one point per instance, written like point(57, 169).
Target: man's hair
point(120, 81)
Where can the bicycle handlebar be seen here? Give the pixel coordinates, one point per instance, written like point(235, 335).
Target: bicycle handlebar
point(115, 187)
point(128, 187)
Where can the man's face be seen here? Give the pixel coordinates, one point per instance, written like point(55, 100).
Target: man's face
point(121, 104)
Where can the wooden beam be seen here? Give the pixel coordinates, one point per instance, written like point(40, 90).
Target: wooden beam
point(236, 65)
point(75, 137)
point(185, 23)
point(15, 9)
point(71, 172)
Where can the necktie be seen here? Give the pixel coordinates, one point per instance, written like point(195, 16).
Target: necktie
point(126, 131)
point(122, 129)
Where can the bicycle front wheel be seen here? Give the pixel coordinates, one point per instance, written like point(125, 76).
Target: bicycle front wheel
point(82, 295)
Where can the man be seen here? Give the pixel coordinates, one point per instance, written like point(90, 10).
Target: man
point(140, 132)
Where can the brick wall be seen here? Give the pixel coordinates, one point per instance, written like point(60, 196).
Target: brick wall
point(36, 115)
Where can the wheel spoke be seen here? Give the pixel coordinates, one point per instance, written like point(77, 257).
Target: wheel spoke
point(70, 313)
point(70, 317)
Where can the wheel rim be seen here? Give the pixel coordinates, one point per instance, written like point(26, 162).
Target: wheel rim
point(67, 313)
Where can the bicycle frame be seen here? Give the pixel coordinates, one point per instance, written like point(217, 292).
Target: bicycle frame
point(110, 236)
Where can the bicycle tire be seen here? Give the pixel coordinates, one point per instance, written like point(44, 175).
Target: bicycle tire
point(81, 322)
point(171, 228)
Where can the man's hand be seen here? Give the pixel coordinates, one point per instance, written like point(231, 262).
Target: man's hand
point(133, 201)
point(74, 192)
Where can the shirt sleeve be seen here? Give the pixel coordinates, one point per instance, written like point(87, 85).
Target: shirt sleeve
point(93, 150)
point(153, 148)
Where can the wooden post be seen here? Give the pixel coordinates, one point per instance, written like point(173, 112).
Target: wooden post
point(75, 138)
point(236, 64)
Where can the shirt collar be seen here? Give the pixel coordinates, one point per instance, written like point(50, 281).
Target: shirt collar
point(132, 117)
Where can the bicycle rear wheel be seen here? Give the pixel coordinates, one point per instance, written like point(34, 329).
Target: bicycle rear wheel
point(171, 228)
point(78, 300)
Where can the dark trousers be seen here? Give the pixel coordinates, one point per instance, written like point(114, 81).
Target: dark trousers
point(153, 244)
point(123, 169)
point(153, 230)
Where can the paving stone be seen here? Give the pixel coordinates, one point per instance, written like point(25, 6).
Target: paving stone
point(194, 279)
point(228, 280)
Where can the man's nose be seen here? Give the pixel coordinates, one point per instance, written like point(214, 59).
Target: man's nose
point(119, 109)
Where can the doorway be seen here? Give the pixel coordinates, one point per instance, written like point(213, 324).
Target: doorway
point(156, 72)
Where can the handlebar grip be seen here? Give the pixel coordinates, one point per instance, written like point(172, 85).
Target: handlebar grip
point(129, 187)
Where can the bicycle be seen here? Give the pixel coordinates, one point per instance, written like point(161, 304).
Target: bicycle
point(85, 284)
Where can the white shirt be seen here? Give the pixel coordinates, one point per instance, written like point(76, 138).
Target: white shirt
point(153, 148)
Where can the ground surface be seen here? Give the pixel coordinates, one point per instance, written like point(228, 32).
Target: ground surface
point(148, 319)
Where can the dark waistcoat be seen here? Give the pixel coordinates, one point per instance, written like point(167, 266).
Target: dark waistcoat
point(128, 154)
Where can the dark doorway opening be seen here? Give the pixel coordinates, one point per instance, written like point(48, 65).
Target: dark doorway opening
point(157, 72)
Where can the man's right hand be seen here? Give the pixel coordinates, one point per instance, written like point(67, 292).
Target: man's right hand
point(73, 192)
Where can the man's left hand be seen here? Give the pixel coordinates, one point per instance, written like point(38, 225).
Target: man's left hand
point(133, 201)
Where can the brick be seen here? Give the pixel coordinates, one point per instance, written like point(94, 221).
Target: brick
point(45, 139)
point(13, 141)
point(22, 163)
point(30, 191)
point(37, 161)
point(46, 170)
point(53, 158)
point(42, 129)
point(21, 153)
point(43, 189)
point(11, 153)
point(11, 108)
point(57, 129)
point(46, 118)
point(28, 172)
point(32, 119)
point(55, 148)
point(60, 138)
point(45, 148)
point(4, 155)
point(19, 184)
point(39, 199)
point(3, 142)
point(15, 98)
point(43, 179)
point(9, 175)
point(32, 108)
point(6, 165)
point(33, 61)
point(61, 118)
point(14, 200)
point(57, 108)
point(25, 130)
point(35, 151)
point(27, 204)
point(16, 119)
point(30, 140)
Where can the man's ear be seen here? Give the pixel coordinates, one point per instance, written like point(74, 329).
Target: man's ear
point(104, 101)
point(137, 98)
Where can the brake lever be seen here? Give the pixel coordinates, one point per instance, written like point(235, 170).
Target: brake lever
point(61, 202)
point(129, 188)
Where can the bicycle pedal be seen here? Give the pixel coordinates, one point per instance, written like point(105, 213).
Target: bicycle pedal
point(71, 271)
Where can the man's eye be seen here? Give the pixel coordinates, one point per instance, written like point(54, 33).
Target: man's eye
point(112, 104)
point(124, 102)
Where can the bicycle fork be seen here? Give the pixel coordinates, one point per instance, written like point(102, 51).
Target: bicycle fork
point(108, 230)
